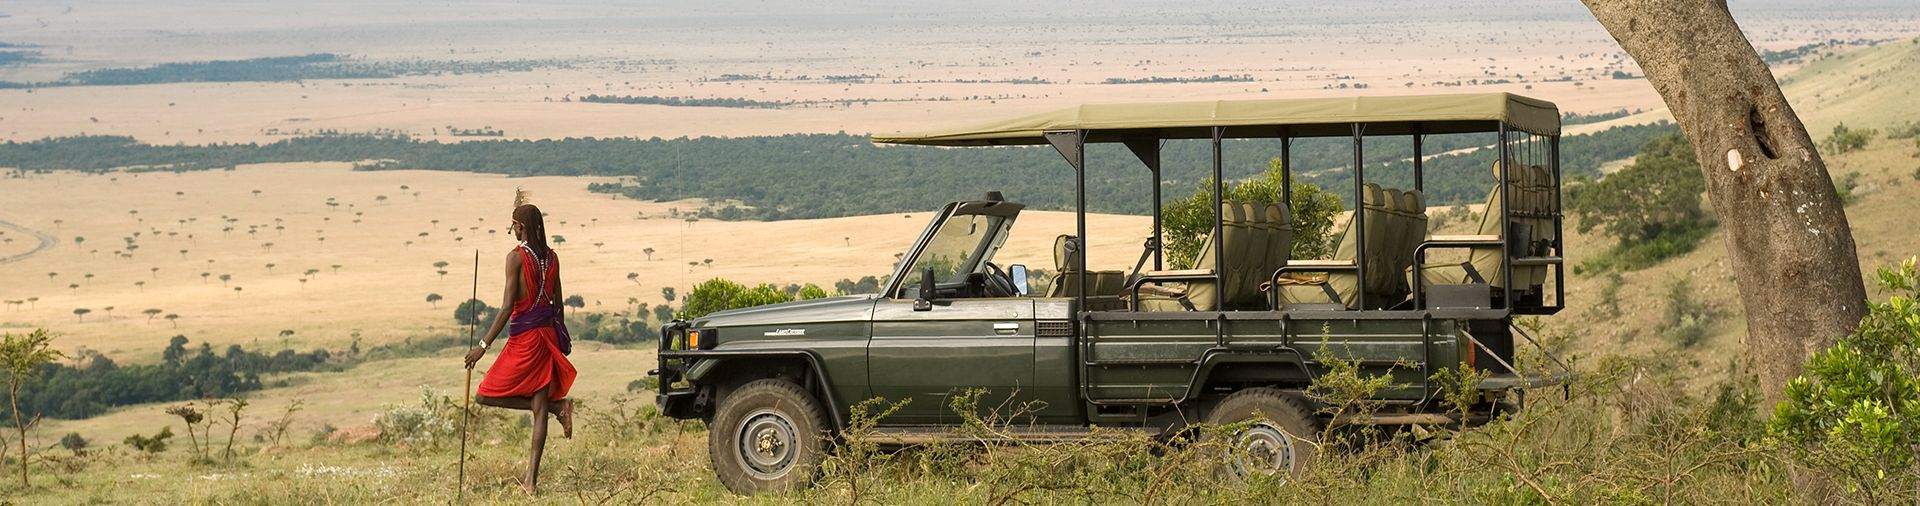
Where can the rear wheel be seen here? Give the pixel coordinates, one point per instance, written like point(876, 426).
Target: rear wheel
point(767, 437)
point(1281, 438)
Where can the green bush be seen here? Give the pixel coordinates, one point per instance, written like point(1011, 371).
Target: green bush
point(1189, 219)
point(1844, 187)
point(1651, 207)
point(1847, 140)
point(1855, 413)
point(1687, 318)
point(720, 294)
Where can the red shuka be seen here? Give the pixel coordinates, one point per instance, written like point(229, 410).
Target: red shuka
point(531, 360)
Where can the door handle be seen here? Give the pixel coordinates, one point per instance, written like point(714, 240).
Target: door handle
point(1006, 328)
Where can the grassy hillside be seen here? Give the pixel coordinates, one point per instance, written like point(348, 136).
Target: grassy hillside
point(1648, 424)
point(1868, 88)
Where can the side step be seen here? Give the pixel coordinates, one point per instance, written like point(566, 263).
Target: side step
point(921, 434)
point(1519, 381)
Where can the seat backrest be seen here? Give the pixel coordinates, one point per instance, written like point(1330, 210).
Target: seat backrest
point(1413, 206)
point(1279, 244)
point(1487, 259)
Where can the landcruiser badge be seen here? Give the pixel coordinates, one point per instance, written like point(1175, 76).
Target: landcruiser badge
point(785, 332)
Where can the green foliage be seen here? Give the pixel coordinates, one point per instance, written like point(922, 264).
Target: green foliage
point(1854, 413)
point(433, 419)
point(153, 444)
point(1845, 186)
point(1189, 220)
point(1907, 130)
point(286, 68)
point(864, 285)
point(97, 383)
point(474, 312)
point(1687, 317)
point(827, 175)
point(1846, 140)
point(73, 442)
point(1652, 207)
point(720, 294)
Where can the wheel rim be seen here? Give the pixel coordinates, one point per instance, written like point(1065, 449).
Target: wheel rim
point(1265, 449)
point(767, 444)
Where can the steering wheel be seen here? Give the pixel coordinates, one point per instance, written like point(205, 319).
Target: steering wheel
point(999, 284)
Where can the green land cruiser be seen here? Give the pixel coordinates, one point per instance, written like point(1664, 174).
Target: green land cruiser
point(1233, 339)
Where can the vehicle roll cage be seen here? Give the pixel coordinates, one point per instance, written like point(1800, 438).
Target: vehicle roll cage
point(1537, 141)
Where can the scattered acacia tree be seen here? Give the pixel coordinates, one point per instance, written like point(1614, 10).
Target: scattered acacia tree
point(81, 313)
point(649, 252)
point(575, 301)
point(24, 356)
point(666, 292)
point(234, 408)
point(473, 312)
point(1791, 248)
point(633, 277)
point(434, 299)
point(193, 417)
point(151, 312)
point(173, 319)
point(1188, 221)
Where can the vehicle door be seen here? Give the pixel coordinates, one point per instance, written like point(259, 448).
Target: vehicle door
point(929, 347)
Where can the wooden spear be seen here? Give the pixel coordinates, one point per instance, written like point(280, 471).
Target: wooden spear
point(466, 409)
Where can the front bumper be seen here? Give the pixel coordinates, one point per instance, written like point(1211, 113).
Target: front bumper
point(676, 398)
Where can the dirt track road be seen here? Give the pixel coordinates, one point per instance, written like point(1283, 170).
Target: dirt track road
point(46, 241)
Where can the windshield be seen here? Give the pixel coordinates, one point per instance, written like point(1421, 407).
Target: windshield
point(963, 243)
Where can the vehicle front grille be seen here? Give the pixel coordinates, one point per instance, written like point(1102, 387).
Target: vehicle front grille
point(1053, 328)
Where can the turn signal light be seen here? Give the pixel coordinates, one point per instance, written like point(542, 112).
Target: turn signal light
point(693, 339)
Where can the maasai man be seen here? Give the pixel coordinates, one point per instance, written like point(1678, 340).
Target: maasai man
point(532, 371)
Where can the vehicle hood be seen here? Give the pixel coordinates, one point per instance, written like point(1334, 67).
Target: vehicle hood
point(831, 309)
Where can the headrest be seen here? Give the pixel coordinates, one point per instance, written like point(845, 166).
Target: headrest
point(1372, 196)
point(1411, 202)
point(1065, 250)
point(1277, 217)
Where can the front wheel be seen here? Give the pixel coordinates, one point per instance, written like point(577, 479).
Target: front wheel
point(1281, 435)
point(767, 437)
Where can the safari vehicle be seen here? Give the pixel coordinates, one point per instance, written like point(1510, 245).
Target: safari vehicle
point(1233, 339)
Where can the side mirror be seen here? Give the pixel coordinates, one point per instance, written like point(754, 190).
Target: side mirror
point(1019, 274)
point(924, 301)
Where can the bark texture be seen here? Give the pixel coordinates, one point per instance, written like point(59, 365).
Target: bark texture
point(1786, 231)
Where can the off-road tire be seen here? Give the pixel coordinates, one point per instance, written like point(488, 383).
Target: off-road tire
point(767, 436)
point(1285, 429)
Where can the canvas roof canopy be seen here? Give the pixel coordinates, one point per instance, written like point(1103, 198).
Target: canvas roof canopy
point(1300, 117)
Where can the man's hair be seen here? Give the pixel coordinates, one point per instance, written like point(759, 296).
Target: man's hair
point(535, 229)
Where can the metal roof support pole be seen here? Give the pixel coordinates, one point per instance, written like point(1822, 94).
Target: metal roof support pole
point(1286, 170)
point(1506, 220)
point(1559, 268)
point(1072, 145)
point(1419, 166)
point(1219, 229)
point(1148, 151)
point(1359, 221)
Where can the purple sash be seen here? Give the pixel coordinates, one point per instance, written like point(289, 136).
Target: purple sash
point(542, 314)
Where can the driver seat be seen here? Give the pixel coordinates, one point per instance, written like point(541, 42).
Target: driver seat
point(1066, 283)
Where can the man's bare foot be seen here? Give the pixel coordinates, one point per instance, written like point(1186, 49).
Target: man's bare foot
point(565, 415)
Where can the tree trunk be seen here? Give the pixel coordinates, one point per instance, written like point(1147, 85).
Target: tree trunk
point(1786, 231)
